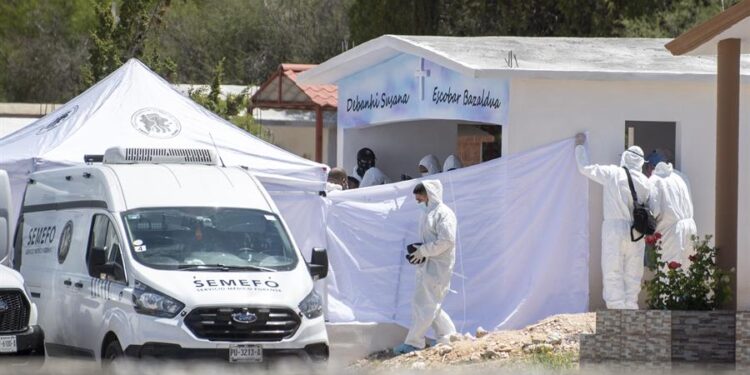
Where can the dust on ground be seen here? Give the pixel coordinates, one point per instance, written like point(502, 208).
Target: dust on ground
point(553, 339)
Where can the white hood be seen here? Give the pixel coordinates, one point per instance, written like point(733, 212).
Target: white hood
point(452, 162)
point(434, 191)
point(432, 164)
point(10, 279)
point(663, 169)
point(632, 158)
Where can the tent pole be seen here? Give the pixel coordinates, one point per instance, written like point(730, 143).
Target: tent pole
point(318, 134)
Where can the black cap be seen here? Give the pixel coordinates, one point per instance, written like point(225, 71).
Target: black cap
point(365, 154)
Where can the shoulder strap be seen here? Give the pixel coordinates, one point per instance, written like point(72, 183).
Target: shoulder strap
point(632, 188)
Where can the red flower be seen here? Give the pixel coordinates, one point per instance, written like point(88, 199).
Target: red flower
point(657, 235)
point(692, 258)
point(651, 240)
point(674, 265)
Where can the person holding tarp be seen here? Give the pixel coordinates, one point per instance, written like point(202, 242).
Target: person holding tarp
point(622, 247)
point(434, 259)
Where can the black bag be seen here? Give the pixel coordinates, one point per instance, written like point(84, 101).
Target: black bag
point(643, 220)
point(411, 249)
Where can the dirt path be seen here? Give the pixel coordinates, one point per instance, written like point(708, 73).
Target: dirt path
point(555, 339)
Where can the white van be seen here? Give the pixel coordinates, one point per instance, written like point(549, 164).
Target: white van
point(20, 336)
point(164, 253)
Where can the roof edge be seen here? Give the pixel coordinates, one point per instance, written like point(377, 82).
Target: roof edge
point(699, 35)
point(328, 72)
point(605, 75)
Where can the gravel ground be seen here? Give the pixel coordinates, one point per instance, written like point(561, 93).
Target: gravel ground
point(553, 341)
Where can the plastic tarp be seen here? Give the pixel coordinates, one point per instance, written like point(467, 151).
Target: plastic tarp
point(522, 244)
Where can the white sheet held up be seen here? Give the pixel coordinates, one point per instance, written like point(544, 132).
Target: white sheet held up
point(522, 244)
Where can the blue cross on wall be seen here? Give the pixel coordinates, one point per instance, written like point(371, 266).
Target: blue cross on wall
point(421, 74)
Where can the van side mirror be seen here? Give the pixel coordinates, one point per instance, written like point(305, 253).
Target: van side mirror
point(318, 265)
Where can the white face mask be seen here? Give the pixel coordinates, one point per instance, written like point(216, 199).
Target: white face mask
point(425, 174)
point(424, 207)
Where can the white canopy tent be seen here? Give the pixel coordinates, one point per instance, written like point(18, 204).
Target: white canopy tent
point(134, 107)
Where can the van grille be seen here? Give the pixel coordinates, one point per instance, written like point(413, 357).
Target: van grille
point(216, 324)
point(199, 155)
point(14, 311)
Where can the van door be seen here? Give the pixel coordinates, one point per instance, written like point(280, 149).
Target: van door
point(39, 241)
point(103, 296)
point(69, 285)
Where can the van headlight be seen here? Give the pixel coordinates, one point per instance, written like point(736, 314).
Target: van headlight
point(312, 305)
point(148, 301)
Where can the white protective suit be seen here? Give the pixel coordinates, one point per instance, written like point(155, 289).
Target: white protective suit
point(452, 162)
point(432, 164)
point(433, 277)
point(673, 209)
point(622, 259)
point(333, 187)
point(374, 176)
point(357, 176)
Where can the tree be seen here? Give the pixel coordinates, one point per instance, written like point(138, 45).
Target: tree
point(253, 36)
point(232, 107)
point(121, 33)
point(673, 18)
point(43, 45)
point(573, 18)
point(371, 19)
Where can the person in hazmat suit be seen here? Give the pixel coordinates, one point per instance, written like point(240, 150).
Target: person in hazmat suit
point(452, 162)
point(622, 258)
point(366, 173)
point(673, 210)
point(337, 180)
point(434, 260)
point(374, 176)
point(429, 165)
point(365, 160)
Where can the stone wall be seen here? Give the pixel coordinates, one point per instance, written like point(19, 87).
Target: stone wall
point(742, 340)
point(662, 337)
point(703, 336)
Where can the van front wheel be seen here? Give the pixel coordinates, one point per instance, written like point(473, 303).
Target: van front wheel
point(112, 352)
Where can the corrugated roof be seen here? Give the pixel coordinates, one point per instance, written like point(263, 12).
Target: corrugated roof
point(293, 94)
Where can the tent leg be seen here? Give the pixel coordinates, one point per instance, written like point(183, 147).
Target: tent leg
point(318, 135)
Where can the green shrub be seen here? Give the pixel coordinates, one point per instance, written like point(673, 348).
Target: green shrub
point(704, 286)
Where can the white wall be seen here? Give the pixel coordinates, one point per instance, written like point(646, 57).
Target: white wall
point(300, 140)
point(543, 111)
point(11, 124)
point(399, 146)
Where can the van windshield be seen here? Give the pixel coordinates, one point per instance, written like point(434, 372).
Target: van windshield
point(206, 238)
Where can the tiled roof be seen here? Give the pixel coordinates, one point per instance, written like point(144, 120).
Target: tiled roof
point(325, 96)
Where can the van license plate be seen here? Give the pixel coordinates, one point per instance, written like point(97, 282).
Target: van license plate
point(245, 353)
point(8, 344)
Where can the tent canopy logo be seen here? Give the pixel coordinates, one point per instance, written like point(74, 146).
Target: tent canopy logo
point(58, 120)
point(156, 123)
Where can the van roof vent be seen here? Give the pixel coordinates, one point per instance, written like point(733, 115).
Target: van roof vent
point(122, 155)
